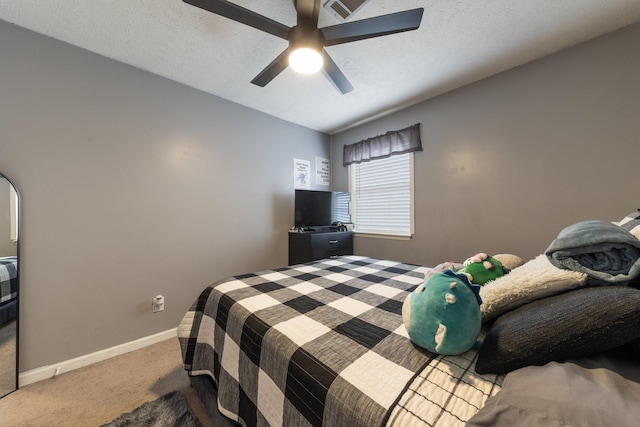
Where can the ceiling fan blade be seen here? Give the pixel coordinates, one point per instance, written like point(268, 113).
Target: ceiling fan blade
point(334, 75)
point(308, 11)
point(243, 16)
point(373, 27)
point(272, 70)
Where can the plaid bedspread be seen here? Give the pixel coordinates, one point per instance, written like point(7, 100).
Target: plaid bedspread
point(8, 281)
point(323, 343)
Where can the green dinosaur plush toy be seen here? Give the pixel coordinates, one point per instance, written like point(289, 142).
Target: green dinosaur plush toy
point(482, 268)
point(443, 314)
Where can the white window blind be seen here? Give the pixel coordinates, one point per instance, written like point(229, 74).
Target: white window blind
point(382, 195)
point(340, 207)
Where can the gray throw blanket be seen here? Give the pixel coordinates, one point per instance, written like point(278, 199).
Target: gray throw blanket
point(600, 249)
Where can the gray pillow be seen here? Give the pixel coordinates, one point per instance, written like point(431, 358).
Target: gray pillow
point(595, 391)
point(575, 324)
point(634, 347)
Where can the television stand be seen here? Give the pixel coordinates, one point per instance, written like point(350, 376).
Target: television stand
point(315, 244)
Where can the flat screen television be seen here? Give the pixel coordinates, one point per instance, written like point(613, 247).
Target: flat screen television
point(314, 208)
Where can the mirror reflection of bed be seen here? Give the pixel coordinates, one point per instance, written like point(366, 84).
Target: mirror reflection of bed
point(8, 286)
point(8, 357)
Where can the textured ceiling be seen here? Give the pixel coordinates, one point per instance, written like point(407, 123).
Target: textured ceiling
point(459, 42)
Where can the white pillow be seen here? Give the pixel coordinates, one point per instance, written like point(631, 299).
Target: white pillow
point(531, 281)
point(631, 223)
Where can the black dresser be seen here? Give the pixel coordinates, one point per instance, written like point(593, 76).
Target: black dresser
point(305, 246)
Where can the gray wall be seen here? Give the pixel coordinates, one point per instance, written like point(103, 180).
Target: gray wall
point(132, 186)
point(511, 160)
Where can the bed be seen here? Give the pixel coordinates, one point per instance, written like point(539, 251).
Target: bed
point(8, 288)
point(323, 343)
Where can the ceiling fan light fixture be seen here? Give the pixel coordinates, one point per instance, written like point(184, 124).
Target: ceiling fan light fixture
point(305, 46)
point(305, 60)
point(306, 35)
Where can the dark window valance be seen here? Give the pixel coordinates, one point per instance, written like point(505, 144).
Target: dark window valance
point(393, 142)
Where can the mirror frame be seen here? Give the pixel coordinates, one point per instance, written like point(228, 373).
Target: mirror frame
point(19, 238)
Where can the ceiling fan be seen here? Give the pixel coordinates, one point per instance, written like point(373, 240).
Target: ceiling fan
point(305, 38)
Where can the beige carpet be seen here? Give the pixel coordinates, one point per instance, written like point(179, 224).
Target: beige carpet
point(96, 394)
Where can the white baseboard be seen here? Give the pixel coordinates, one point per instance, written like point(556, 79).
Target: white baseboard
point(50, 371)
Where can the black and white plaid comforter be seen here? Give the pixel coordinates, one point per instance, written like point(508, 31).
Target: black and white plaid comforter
point(8, 278)
point(324, 344)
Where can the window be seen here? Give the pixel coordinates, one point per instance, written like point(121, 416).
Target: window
point(382, 196)
point(340, 207)
point(13, 206)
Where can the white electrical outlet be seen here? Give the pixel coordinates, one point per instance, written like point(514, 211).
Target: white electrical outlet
point(158, 303)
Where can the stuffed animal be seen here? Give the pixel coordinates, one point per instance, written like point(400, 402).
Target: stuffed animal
point(509, 261)
point(443, 314)
point(482, 268)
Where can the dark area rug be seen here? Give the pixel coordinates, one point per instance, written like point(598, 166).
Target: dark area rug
point(170, 410)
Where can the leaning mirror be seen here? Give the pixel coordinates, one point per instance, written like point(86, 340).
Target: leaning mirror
point(9, 250)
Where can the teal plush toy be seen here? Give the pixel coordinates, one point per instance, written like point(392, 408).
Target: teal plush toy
point(443, 314)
